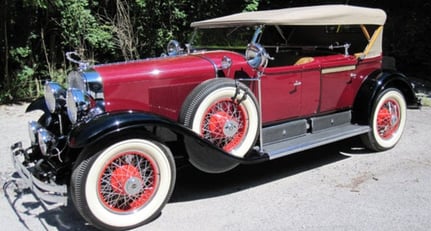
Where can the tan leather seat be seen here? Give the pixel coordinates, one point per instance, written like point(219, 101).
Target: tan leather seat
point(304, 60)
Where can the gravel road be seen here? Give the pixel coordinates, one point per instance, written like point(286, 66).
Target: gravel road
point(336, 187)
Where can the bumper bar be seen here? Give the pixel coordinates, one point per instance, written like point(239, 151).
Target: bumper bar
point(47, 192)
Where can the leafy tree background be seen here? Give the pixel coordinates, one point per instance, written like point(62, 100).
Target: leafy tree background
point(35, 34)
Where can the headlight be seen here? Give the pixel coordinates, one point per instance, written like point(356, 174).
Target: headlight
point(54, 96)
point(33, 128)
point(47, 141)
point(76, 80)
point(77, 104)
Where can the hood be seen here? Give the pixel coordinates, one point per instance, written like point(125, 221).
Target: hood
point(158, 85)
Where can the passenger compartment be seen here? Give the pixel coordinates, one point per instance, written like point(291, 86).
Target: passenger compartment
point(296, 56)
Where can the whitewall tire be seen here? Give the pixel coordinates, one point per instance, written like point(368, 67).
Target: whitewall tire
point(125, 185)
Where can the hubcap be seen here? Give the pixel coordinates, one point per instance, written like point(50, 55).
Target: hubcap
point(230, 128)
point(222, 123)
point(128, 182)
point(388, 119)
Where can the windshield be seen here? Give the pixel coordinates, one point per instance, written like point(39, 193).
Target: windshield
point(231, 38)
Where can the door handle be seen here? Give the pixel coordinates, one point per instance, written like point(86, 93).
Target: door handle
point(297, 83)
point(352, 77)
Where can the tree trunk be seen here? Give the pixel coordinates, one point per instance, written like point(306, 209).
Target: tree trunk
point(5, 64)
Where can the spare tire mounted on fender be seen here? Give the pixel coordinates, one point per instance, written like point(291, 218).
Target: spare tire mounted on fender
point(225, 112)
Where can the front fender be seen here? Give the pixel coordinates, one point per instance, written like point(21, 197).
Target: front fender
point(38, 104)
point(201, 153)
point(376, 83)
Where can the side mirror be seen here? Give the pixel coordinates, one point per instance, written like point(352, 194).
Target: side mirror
point(174, 48)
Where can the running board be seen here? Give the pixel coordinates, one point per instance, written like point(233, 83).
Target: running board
point(312, 140)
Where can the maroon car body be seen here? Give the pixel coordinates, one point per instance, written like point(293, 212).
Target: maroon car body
point(249, 87)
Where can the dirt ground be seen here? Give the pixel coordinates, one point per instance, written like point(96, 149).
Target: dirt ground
point(336, 187)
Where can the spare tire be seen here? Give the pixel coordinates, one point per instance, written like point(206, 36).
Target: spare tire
point(225, 112)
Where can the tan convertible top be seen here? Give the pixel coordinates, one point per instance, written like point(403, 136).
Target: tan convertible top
point(301, 16)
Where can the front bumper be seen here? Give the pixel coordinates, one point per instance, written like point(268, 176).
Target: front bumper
point(43, 190)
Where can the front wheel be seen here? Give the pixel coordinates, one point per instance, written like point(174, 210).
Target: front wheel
point(125, 185)
point(388, 119)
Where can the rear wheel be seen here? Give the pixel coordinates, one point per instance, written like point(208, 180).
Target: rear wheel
point(388, 120)
point(125, 185)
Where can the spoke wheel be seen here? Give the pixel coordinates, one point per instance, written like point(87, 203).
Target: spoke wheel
point(125, 185)
point(225, 124)
point(225, 113)
point(128, 182)
point(388, 120)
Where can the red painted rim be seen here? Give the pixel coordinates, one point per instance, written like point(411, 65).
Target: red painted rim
point(388, 119)
point(127, 182)
point(220, 114)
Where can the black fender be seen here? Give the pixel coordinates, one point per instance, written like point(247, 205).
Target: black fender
point(375, 83)
point(46, 119)
point(38, 104)
point(201, 153)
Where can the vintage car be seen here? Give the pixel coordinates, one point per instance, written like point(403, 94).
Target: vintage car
point(247, 88)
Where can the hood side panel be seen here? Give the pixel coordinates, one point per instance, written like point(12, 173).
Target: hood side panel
point(157, 85)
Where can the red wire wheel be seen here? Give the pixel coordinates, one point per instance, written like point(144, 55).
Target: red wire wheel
point(388, 119)
point(225, 124)
point(128, 182)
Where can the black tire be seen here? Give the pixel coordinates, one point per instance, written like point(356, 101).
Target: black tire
point(387, 121)
point(225, 112)
point(125, 185)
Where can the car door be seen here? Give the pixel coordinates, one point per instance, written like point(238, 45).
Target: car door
point(338, 76)
point(289, 92)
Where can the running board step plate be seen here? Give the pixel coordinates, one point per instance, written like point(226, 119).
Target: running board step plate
point(312, 140)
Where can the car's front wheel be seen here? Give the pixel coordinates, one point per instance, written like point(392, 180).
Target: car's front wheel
point(124, 185)
point(388, 119)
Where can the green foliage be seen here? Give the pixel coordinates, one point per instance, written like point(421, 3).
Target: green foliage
point(81, 30)
point(252, 5)
point(23, 85)
point(20, 53)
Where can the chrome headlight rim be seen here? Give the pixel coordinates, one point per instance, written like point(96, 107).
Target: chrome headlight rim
point(54, 96)
point(33, 128)
point(77, 103)
point(47, 141)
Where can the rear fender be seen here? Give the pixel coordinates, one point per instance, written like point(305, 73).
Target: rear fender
point(371, 88)
point(201, 153)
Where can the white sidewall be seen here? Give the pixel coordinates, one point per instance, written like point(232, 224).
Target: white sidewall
point(251, 110)
point(134, 217)
point(398, 97)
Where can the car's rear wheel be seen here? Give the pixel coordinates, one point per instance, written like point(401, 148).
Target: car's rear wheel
point(224, 112)
point(388, 119)
point(124, 185)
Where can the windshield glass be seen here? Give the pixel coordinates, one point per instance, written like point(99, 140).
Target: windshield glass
point(222, 38)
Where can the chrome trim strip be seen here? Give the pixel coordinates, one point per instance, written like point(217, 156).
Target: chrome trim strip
point(338, 69)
